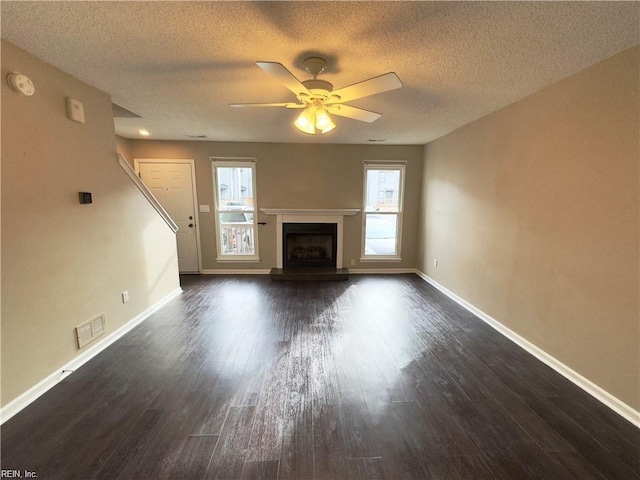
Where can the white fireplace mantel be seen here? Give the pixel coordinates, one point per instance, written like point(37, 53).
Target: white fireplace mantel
point(311, 211)
point(309, 215)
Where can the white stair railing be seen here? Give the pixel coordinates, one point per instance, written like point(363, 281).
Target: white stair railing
point(147, 193)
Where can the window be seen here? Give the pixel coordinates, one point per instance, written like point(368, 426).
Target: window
point(382, 218)
point(234, 184)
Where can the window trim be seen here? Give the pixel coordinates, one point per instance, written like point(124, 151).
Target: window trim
point(234, 162)
point(383, 165)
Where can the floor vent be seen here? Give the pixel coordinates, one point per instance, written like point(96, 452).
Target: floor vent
point(90, 330)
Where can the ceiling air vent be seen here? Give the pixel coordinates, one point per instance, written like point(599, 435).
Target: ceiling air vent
point(90, 330)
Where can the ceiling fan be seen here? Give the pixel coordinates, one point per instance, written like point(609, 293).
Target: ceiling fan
point(318, 98)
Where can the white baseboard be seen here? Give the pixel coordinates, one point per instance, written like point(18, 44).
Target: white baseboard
point(356, 271)
point(20, 402)
point(585, 384)
point(232, 271)
point(381, 271)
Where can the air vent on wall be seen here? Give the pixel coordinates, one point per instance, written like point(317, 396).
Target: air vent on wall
point(90, 330)
point(121, 112)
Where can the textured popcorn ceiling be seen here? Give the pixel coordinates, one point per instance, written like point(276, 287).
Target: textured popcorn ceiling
point(179, 64)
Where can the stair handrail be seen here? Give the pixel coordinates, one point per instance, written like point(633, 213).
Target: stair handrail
point(126, 166)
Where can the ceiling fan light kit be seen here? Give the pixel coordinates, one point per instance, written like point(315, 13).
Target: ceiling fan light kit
point(306, 122)
point(314, 119)
point(324, 122)
point(318, 98)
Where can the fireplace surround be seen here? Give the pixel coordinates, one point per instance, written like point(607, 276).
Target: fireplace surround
point(289, 215)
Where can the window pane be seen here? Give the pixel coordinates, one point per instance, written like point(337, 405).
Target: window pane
point(236, 217)
point(235, 188)
point(235, 203)
point(237, 239)
point(380, 234)
point(383, 188)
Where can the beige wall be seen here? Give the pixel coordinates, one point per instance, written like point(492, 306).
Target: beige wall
point(533, 215)
point(297, 176)
point(123, 147)
point(62, 262)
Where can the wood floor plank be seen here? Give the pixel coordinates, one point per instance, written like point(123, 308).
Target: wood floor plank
point(578, 440)
point(189, 460)
point(577, 466)
point(324, 373)
point(620, 447)
point(490, 386)
point(360, 435)
point(434, 422)
point(33, 428)
point(405, 454)
point(260, 470)
point(132, 447)
point(201, 412)
point(380, 376)
point(296, 457)
point(472, 467)
point(230, 452)
point(267, 431)
point(367, 469)
point(330, 458)
point(374, 388)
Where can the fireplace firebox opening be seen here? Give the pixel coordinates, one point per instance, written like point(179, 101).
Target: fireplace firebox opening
point(309, 245)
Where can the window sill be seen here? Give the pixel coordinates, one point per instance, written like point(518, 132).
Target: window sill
point(381, 258)
point(238, 259)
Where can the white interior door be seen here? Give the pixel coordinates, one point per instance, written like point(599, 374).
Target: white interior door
point(171, 183)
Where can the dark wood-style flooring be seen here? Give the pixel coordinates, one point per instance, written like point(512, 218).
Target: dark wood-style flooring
point(378, 377)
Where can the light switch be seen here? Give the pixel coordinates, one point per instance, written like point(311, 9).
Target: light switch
point(204, 208)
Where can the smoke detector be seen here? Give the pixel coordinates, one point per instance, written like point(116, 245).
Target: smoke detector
point(21, 84)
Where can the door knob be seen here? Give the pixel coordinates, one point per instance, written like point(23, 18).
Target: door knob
point(190, 217)
point(191, 225)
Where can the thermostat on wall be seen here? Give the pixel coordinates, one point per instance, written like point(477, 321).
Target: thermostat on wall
point(75, 110)
point(85, 197)
point(21, 84)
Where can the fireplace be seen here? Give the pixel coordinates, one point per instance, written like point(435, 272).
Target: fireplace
point(309, 245)
point(309, 216)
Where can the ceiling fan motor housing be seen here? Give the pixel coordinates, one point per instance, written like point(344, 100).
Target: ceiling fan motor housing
point(314, 65)
point(319, 89)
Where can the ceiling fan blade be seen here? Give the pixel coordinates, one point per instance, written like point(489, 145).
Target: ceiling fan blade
point(285, 77)
point(286, 105)
point(373, 86)
point(353, 112)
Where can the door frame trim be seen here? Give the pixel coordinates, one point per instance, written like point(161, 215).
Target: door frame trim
point(190, 161)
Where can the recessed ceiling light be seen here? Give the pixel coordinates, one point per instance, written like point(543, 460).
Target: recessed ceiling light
point(197, 136)
point(143, 132)
point(374, 140)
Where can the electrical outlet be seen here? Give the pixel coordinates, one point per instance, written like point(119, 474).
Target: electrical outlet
point(353, 262)
point(125, 296)
point(435, 262)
